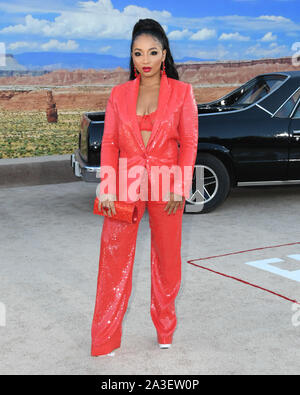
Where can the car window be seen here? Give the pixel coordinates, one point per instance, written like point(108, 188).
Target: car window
point(287, 108)
point(256, 89)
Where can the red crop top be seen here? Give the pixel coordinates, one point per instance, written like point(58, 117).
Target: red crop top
point(146, 121)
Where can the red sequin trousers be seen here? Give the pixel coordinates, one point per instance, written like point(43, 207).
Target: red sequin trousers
point(117, 252)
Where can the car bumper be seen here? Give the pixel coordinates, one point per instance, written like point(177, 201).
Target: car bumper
point(81, 169)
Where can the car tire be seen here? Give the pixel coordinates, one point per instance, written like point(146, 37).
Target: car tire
point(216, 182)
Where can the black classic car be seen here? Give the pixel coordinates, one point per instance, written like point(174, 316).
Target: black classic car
point(251, 135)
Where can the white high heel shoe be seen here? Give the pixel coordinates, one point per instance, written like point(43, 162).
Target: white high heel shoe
point(111, 354)
point(164, 345)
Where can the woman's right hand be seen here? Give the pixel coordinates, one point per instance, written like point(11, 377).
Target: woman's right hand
point(108, 204)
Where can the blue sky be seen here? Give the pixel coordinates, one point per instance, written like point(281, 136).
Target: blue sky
point(219, 29)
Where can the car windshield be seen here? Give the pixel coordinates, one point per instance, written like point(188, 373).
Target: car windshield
point(255, 90)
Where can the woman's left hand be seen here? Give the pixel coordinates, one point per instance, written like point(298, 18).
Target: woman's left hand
point(174, 202)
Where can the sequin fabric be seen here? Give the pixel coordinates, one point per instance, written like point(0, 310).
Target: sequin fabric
point(173, 139)
point(146, 121)
point(114, 285)
point(175, 124)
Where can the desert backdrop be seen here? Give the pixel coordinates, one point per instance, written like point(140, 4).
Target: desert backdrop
point(88, 90)
point(25, 127)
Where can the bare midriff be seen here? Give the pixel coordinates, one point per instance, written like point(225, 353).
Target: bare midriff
point(146, 124)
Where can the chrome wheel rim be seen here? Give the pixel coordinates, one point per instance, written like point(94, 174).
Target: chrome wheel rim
point(205, 185)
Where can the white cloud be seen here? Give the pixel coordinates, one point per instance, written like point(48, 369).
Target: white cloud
point(274, 18)
point(22, 44)
point(273, 50)
point(21, 7)
point(91, 20)
point(245, 25)
point(142, 12)
point(32, 26)
point(179, 34)
point(269, 37)
point(218, 52)
point(99, 19)
point(51, 44)
point(104, 49)
point(203, 34)
point(234, 37)
point(64, 46)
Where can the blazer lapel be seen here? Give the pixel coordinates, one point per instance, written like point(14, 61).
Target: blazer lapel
point(163, 98)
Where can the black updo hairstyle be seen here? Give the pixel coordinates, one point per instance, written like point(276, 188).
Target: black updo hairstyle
point(152, 27)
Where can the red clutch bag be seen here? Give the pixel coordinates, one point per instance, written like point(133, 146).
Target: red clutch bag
point(127, 212)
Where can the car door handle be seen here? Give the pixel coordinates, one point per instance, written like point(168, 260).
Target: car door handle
point(296, 131)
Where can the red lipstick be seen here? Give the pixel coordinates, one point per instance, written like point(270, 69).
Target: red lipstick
point(146, 69)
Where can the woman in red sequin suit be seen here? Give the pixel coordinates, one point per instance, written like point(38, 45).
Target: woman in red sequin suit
point(150, 120)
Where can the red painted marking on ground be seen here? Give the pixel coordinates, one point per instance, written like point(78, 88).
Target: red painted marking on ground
point(238, 279)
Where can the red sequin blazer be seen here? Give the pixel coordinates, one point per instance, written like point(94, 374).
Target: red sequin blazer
point(173, 141)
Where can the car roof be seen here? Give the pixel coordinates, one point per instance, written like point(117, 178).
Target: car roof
point(291, 73)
